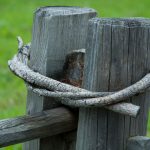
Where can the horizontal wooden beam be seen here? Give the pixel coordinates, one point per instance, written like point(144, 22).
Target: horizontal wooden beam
point(43, 124)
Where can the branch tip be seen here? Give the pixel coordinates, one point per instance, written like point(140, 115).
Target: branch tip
point(20, 42)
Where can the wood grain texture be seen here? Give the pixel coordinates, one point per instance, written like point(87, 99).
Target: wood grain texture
point(117, 56)
point(138, 143)
point(42, 124)
point(56, 32)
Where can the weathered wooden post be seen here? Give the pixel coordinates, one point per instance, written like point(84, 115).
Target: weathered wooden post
point(117, 55)
point(56, 32)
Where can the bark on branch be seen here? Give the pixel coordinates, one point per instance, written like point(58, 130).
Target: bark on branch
point(19, 66)
point(122, 108)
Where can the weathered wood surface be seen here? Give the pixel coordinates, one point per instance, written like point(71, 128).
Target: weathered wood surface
point(138, 143)
point(118, 55)
point(56, 32)
point(42, 124)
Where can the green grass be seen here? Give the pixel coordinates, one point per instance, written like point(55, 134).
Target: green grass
point(16, 19)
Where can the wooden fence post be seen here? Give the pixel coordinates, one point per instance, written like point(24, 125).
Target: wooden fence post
point(138, 143)
point(56, 32)
point(117, 55)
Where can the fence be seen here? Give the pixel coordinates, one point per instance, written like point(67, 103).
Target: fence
point(117, 56)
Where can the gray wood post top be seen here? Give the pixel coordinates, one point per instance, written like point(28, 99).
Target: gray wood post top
point(125, 22)
point(63, 11)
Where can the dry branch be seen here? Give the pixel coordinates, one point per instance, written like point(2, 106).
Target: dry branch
point(122, 108)
point(121, 95)
point(20, 68)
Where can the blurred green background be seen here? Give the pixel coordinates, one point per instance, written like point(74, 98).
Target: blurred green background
point(16, 19)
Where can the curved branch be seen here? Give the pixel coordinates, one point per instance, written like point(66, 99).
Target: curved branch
point(32, 77)
point(24, 72)
point(125, 108)
point(75, 95)
point(19, 66)
point(20, 42)
point(122, 108)
point(121, 95)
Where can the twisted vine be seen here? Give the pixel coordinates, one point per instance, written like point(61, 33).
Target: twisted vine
point(74, 96)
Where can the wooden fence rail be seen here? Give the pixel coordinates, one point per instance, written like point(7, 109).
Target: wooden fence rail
point(39, 125)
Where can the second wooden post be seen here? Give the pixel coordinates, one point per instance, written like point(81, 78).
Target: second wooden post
point(117, 55)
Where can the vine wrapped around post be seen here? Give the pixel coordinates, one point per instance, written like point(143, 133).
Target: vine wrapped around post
point(68, 94)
